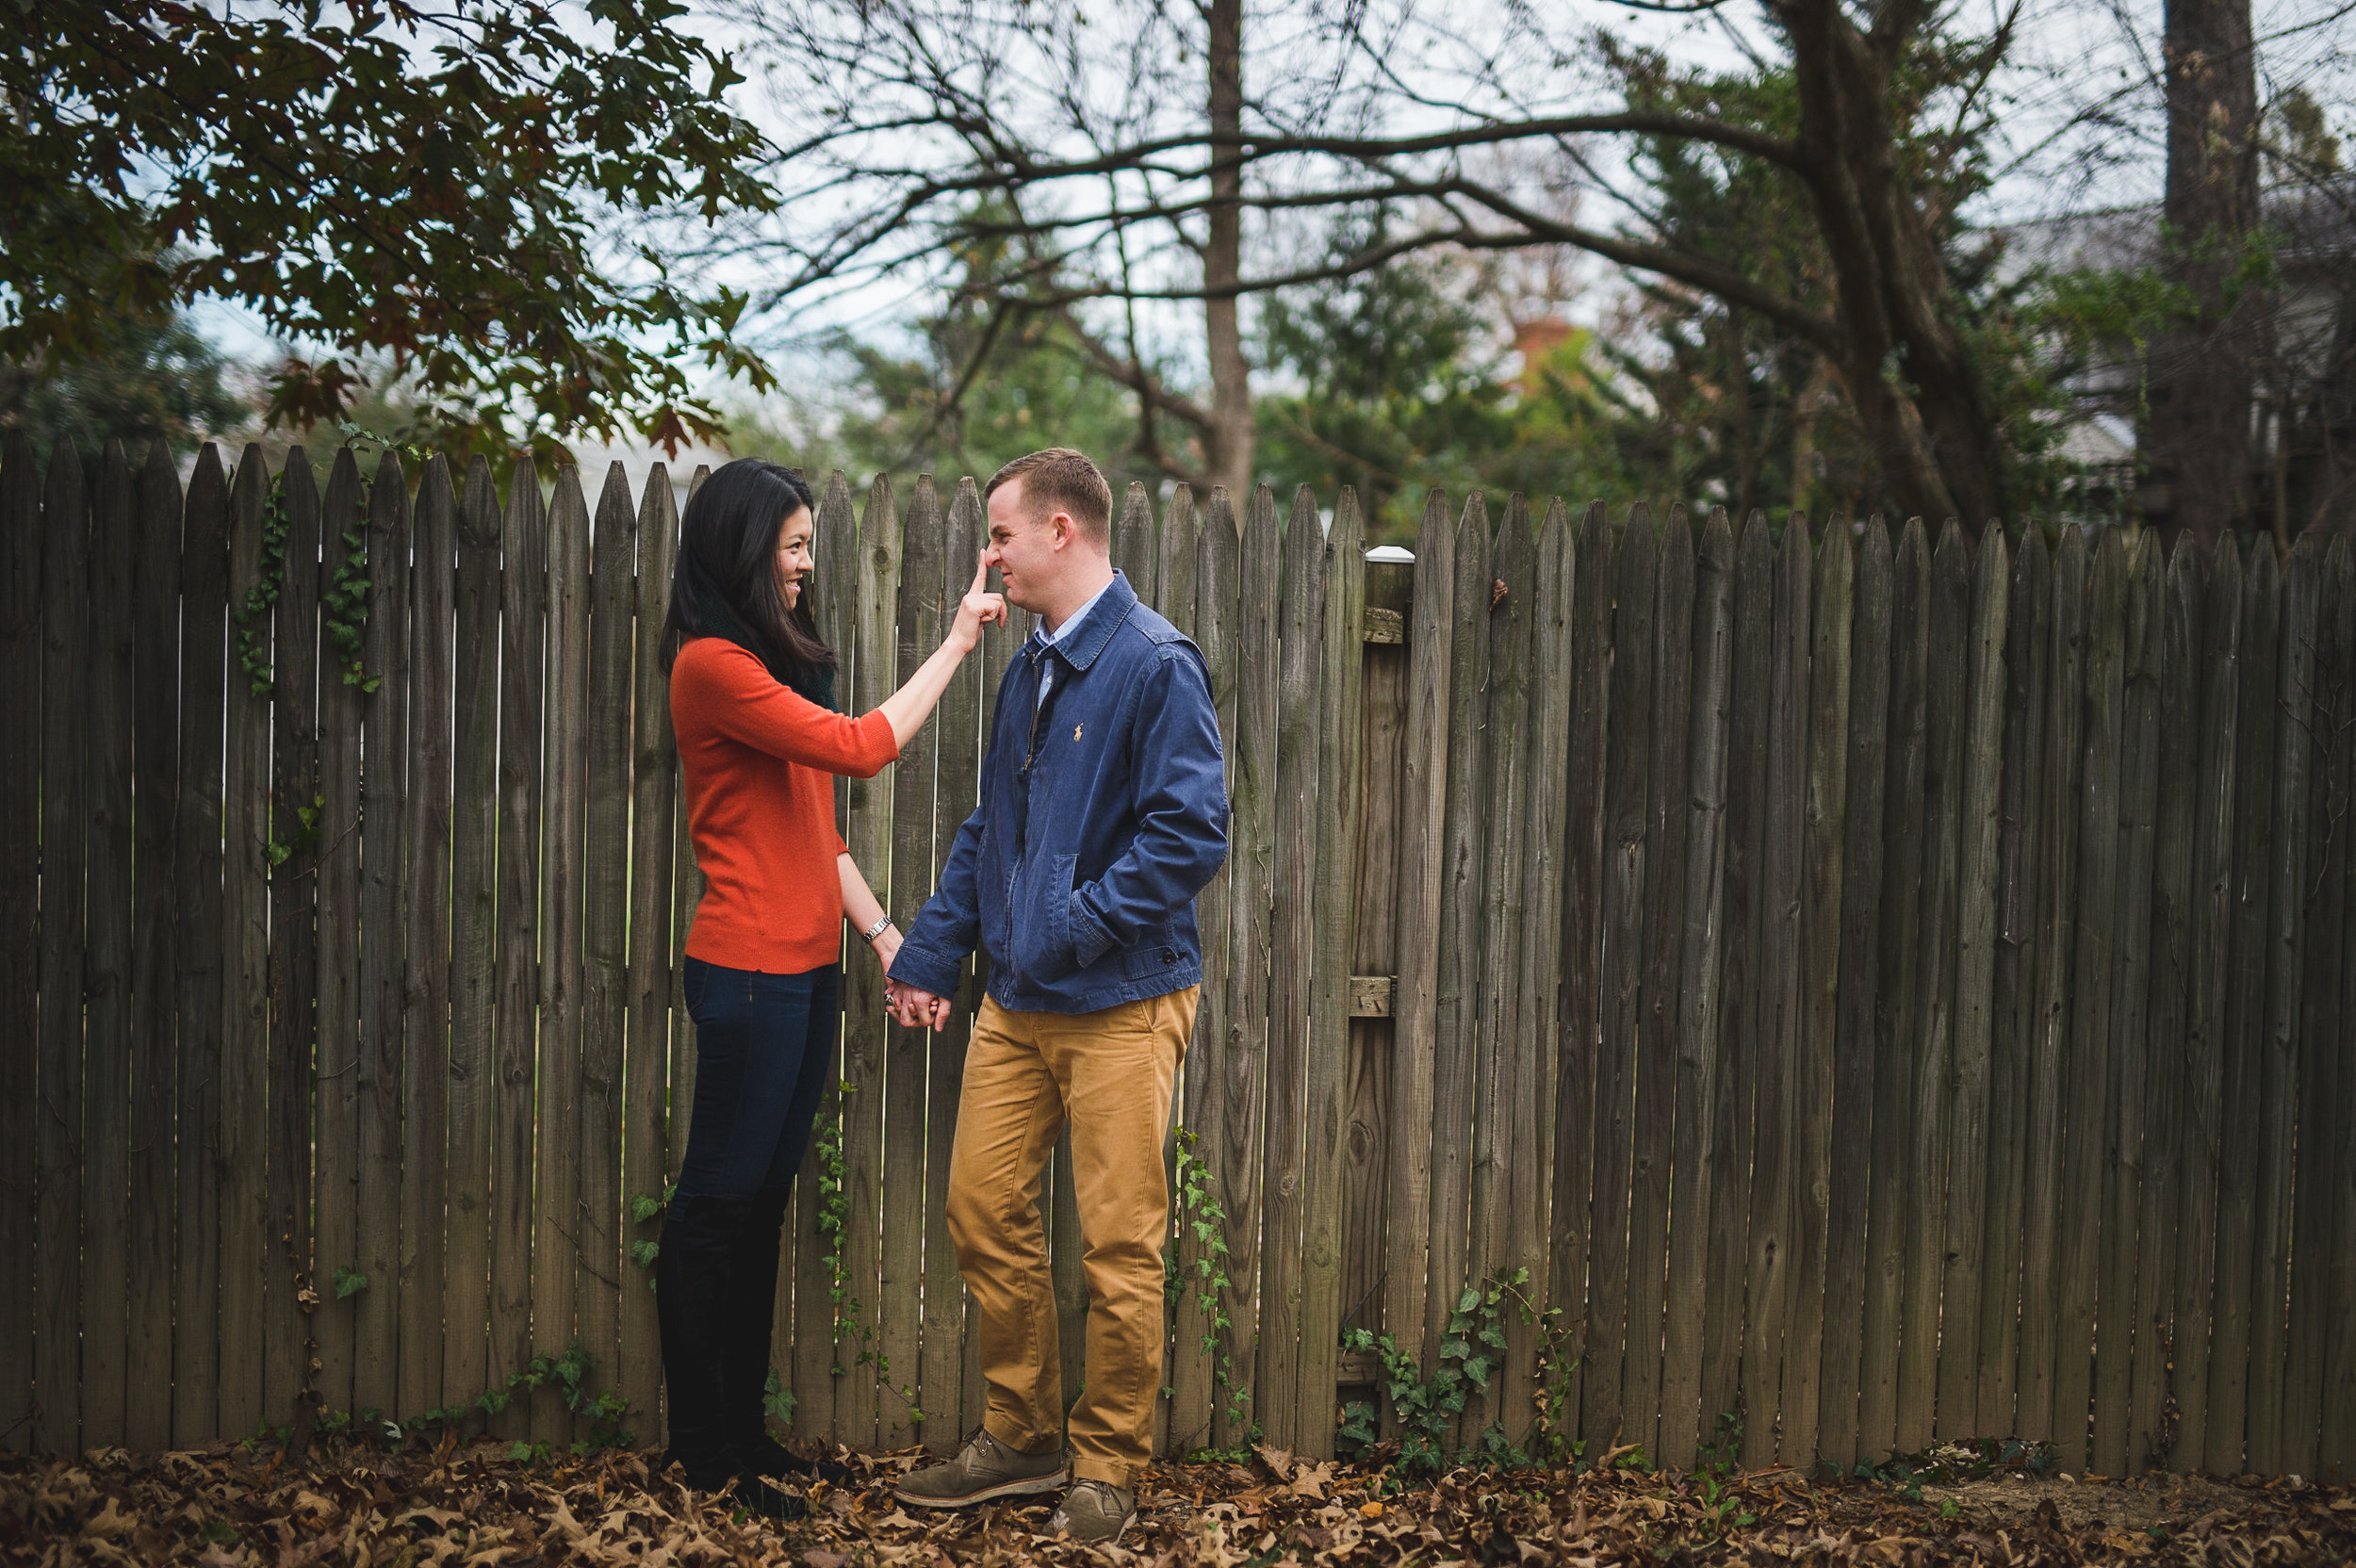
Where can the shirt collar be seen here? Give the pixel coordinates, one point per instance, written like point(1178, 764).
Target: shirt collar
point(1085, 632)
point(1071, 622)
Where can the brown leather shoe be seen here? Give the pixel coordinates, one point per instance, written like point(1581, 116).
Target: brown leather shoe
point(1095, 1513)
point(984, 1471)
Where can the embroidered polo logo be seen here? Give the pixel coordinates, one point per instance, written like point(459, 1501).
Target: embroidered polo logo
point(1075, 731)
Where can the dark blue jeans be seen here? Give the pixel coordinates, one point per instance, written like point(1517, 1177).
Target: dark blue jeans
point(764, 1044)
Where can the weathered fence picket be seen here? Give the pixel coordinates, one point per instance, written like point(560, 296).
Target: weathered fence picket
point(21, 815)
point(2240, 1151)
point(1736, 1111)
point(1824, 803)
point(336, 1134)
point(106, 762)
point(2138, 804)
point(427, 827)
point(1694, 1174)
point(378, 1066)
point(2326, 708)
point(245, 925)
point(1293, 921)
point(564, 853)
point(1606, 1419)
point(1422, 892)
point(197, 909)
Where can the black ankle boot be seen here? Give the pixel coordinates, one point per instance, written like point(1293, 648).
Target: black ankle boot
point(696, 1285)
point(748, 1333)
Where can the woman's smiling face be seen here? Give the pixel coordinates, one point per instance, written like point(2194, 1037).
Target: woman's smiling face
point(795, 560)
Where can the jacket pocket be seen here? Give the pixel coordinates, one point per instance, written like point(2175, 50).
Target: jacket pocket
point(1042, 923)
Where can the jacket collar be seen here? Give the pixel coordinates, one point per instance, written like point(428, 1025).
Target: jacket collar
point(1079, 646)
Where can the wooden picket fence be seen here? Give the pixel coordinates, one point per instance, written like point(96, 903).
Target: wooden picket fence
point(1883, 994)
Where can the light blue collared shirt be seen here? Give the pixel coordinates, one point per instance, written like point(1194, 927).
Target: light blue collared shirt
point(1048, 640)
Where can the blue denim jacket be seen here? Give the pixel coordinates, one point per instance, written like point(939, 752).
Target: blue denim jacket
point(1103, 811)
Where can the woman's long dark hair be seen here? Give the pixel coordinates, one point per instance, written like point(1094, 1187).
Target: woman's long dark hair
point(726, 582)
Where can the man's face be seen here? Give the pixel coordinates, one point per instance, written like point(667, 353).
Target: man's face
point(1026, 549)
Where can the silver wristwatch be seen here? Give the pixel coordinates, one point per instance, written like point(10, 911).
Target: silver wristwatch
point(876, 930)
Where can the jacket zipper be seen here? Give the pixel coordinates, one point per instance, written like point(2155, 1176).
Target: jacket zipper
point(1030, 753)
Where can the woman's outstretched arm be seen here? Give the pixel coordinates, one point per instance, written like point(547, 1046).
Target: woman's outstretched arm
point(862, 909)
point(912, 704)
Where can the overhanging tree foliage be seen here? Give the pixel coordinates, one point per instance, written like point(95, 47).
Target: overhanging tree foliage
point(450, 190)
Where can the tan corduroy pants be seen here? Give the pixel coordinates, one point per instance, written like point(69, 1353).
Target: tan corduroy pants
point(1108, 1074)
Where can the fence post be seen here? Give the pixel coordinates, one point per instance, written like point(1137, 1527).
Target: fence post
point(1379, 762)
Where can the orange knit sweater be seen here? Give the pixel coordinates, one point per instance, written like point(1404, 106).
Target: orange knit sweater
point(757, 756)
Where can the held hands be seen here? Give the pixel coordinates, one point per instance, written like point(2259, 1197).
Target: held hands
point(915, 1008)
point(979, 609)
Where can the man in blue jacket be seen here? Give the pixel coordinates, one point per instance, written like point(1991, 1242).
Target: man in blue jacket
point(1103, 811)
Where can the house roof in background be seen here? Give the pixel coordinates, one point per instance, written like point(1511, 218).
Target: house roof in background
point(2317, 221)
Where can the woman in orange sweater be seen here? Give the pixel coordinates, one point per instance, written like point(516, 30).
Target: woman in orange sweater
point(752, 688)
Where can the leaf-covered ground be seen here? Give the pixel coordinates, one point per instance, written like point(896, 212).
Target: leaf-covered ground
point(471, 1507)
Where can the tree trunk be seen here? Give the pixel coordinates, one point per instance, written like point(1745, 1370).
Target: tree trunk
point(2201, 375)
point(1918, 392)
point(1228, 449)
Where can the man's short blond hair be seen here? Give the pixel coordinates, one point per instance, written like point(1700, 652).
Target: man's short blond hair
point(1061, 479)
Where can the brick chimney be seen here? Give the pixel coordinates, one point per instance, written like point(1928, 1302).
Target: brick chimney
point(1534, 340)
